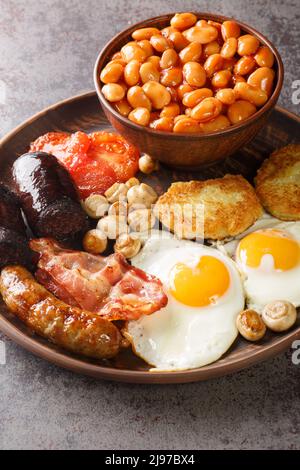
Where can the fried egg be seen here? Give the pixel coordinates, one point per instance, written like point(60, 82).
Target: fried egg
point(205, 295)
point(268, 256)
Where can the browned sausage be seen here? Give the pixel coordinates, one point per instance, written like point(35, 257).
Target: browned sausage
point(74, 329)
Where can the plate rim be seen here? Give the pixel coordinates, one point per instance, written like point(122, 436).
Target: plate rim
point(80, 366)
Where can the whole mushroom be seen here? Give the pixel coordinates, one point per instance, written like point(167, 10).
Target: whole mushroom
point(250, 325)
point(279, 315)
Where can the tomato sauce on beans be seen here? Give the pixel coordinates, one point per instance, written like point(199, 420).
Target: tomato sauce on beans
point(193, 76)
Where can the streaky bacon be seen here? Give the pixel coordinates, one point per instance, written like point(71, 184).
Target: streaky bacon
point(109, 286)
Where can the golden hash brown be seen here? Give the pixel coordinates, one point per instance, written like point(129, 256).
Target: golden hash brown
point(278, 183)
point(230, 206)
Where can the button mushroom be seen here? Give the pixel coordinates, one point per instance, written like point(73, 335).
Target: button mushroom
point(95, 206)
point(127, 246)
point(116, 192)
point(95, 242)
point(113, 226)
point(147, 165)
point(250, 325)
point(142, 195)
point(119, 208)
point(279, 315)
point(132, 182)
point(141, 220)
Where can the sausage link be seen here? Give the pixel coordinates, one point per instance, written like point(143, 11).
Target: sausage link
point(14, 247)
point(48, 196)
point(74, 329)
point(10, 212)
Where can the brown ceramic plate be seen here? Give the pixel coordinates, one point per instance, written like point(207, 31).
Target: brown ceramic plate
point(82, 112)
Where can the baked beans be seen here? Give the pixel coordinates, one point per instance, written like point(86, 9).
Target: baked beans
point(227, 96)
point(112, 73)
point(132, 72)
point(157, 94)
point(221, 79)
point(123, 107)
point(216, 124)
point(254, 95)
point(211, 48)
point(262, 78)
point(202, 34)
point(183, 21)
point(183, 89)
point(140, 116)
point(244, 65)
point(113, 92)
point(193, 76)
point(240, 110)
point(191, 99)
point(164, 124)
point(171, 77)
point(146, 46)
point(132, 51)
point(168, 59)
point(264, 57)
point(144, 33)
point(187, 125)
point(213, 63)
point(137, 98)
point(148, 72)
point(155, 60)
point(191, 53)
point(178, 40)
point(207, 109)
point(171, 110)
point(229, 48)
point(247, 45)
point(160, 43)
point(230, 29)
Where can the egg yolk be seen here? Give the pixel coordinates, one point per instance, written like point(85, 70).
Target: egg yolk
point(202, 285)
point(277, 243)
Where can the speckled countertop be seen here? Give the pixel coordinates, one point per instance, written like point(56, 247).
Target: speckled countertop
point(47, 51)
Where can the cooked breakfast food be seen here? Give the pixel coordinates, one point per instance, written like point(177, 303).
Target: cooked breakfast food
point(228, 205)
point(107, 286)
point(278, 183)
point(179, 303)
point(205, 295)
point(147, 165)
point(127, 245)
point(95, 161)
point(279, 315)
point(14, 247)
point(74, 329)
point(194, 76)
point(122, 213)
point(251, 325)
point(95, 242)
point(268, 257)
point(48, 196)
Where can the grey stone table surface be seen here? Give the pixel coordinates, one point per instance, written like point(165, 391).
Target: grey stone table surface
point(47, 50)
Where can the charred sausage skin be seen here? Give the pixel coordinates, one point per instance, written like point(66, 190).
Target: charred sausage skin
point(74, 329)
point(48, 196)
point(14, 248)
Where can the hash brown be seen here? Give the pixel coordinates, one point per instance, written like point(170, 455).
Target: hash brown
point(278, 183)
point(230, 207)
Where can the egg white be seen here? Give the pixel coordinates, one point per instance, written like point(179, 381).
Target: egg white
point(180, 337)
point(266, 284)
